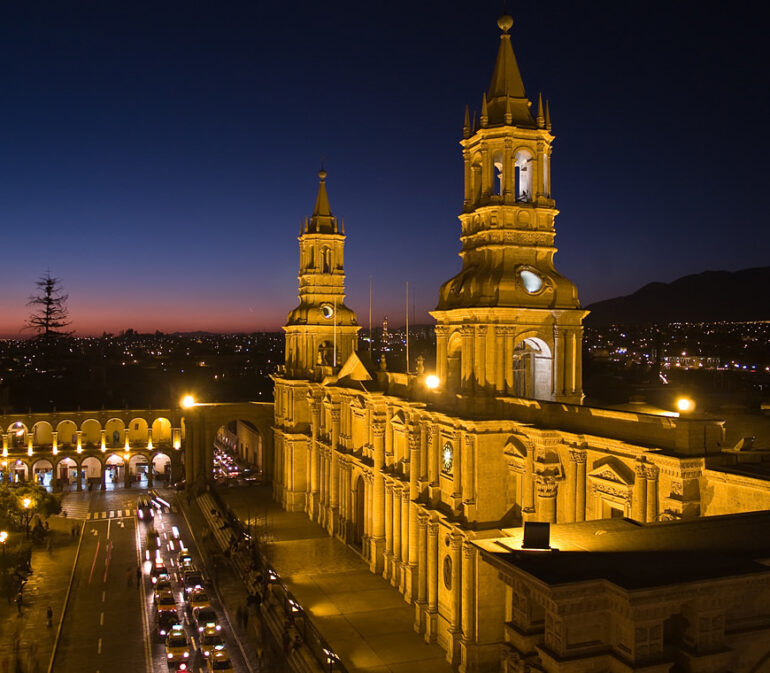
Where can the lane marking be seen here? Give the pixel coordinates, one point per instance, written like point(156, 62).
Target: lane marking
point(103, 594)
point(93, 565)
point(101, 619)
point(108, 529)
point(99, 646)
point(143, 604)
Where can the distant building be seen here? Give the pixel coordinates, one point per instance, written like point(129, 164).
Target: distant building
point(414, 476)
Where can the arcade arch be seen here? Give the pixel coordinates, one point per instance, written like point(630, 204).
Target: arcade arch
point(114, 470)
point(42, 433)
point(454, 361)
point(137, 431)
point(114, 431)
point(532, 369)
point(42, 472)
point(91, 468)
point(67, 433)
point(17, 435)
point(161, 430)
point(92, 432)
point(66, 471)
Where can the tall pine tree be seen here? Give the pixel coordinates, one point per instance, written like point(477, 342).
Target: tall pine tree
point(50, 315)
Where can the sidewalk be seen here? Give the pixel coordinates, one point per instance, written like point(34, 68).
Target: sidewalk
point(47, 585)
point(364, 619)
point(232, 590)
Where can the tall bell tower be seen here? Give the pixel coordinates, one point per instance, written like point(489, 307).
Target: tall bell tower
point(509, 323)
point(321, 332)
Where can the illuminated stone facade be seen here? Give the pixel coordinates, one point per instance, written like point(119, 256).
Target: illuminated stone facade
point(411, 477)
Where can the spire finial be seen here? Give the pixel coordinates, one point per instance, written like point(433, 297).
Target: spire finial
point(547, 116)
point(508, 113)
point(484, 113)
point(467, 124)
point(505, 23)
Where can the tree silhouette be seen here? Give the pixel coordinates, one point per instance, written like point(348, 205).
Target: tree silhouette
point(50, 316)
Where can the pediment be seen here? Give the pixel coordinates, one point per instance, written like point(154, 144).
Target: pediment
point(357, 403)
point(398, 420)
point(354, 369)
point(515, 448)
point(613, 471)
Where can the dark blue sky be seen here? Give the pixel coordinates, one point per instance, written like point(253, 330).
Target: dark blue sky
point(159, 156)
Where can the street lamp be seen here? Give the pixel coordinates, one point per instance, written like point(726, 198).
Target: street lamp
point(432, 381)
point(188, 401)
point(685, 405)
point(26, 503)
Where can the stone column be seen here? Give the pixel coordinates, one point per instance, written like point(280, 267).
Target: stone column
point(528, 481)
point(422, 473)
point(639, 497)
point(441, 343)
point(508, 360)
point(455, 619)
point(405, 540)
point(466, 383)
point(468, 468)
point(378, 496)
point(559, 362)
point(388, 565)
point(430, 624)
point(315, 474)
point(334, 475)
point(652, 493)
point(547, 487)
point(422, 570)
point(395, 572)
point(499, 360)
point(468, 598)
point(104, 477)
point(415, 443)
point(433, 456)
point(580, 485)
point(480, 360)
point(571, 494)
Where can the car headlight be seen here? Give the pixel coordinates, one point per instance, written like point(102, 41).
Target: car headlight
point(186, 654)
point(170, 655)
point(200, 629)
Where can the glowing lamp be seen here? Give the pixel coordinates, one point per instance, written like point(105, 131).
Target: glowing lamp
point(685, 405)
point(188, 401)
point(432, 381)
point(26, 502)
point(3, 535)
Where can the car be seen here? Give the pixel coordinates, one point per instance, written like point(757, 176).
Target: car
point(198, 598)
point(144, 509)
point(219, 661)
point(190, 578)
point(167, 619)
point(210, 640)
point(158, 571)
point(205, 617)
point(163, 583)
point(177, 647)
point(165, 601)
point(184, 559)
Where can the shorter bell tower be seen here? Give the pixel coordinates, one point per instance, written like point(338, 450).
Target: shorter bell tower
point(321, 332)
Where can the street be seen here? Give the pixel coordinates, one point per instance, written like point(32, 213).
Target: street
point(110, 622)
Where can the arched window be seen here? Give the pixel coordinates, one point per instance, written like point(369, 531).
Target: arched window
point(532, 369)
point(454, 367)
point(499, 184)
point(327, 260)
point(311, 257)
point(326, 354)
point(524, 169)
point(476, 178)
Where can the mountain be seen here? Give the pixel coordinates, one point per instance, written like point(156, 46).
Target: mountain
point(704, 297)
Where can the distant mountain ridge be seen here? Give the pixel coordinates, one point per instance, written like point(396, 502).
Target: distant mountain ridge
point(704, 297)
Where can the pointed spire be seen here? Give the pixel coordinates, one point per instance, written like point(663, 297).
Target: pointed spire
point(547, 116)
point(322, 207)
point(540, 118)
point(473, 123)
point(467, 124)
point(506, 78)
point(484, 113)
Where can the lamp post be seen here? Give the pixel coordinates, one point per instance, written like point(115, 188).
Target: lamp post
point(27, 502)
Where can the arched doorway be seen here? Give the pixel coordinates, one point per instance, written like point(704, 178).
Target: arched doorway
point(114, 473)
point(532, 369)
point(114, 433)
point(67, 434)
point(138, 467)
point(42, 472)
point(66, 471)
point(17, 435)
point(92, 432)
point(92, 472)
point(359, 513)
point(161, 467)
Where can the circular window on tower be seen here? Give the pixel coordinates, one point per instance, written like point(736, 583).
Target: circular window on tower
point(531, 281)
point(327, 310)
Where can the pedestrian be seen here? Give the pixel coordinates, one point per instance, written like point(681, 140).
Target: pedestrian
point(19, 600)
point(49, 616)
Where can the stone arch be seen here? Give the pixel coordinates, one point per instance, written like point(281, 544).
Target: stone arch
point(67, 432)
point(454, 355)
point(326, 354)
point(91, 467)
point(138, 467)
point(114, 470)
point(498, 169)
point(532, 368)
point(19, 470)
point(161, 464)
point(115, 433)
point(137, 431)
point(92, 432)
point(42, 471)
point(17, 435)
point(65, 469)
point(524, 169)
point(42, 433)
point(161, 431)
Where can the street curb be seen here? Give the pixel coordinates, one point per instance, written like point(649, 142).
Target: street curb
point(66, 599)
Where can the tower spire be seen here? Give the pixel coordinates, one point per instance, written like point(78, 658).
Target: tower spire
point(484, 111)
point(322, 220)
point(547, 116)
point(467, 124)
point(540, 119)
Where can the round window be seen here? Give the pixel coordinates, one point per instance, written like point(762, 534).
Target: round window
point(531, 281)
point(327, 310)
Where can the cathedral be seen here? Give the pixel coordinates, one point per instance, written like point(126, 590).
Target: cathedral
point(426, 482)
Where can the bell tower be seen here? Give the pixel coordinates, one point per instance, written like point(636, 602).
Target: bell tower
point(509, 323)
point(321, 332)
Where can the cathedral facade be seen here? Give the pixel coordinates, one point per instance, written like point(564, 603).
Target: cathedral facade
point(414, 477)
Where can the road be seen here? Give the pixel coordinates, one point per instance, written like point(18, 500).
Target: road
point(110, 625)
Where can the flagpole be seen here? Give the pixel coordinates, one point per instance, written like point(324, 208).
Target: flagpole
point(334, 357)
point(370, 317)
point(407, 327)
